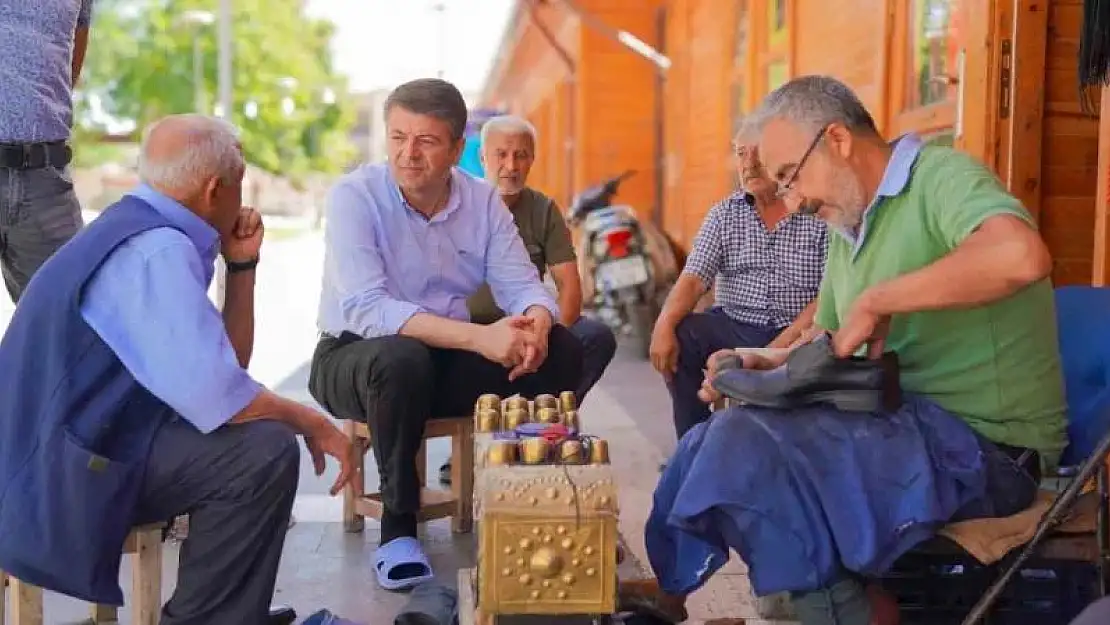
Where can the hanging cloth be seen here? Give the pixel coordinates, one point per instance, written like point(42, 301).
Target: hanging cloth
point(1094, 51)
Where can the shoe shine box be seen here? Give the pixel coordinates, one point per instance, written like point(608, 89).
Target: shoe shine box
point(547, 516)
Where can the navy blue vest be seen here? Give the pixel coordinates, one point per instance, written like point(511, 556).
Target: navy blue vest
point(75, 426)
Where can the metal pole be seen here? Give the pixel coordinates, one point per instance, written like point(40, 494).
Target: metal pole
point(225, 58)
point(199, 99)
point(441, 9)
point(660, 118)
point(226, 110)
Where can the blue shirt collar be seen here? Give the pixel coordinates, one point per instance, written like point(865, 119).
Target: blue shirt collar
point(896, 177)
point(453, 198)
point(898, 170)
point(200, 232)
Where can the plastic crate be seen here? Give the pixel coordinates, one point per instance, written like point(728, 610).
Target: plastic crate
point(941, 589)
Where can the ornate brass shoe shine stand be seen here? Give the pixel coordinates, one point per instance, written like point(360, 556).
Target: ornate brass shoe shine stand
point(546, 506)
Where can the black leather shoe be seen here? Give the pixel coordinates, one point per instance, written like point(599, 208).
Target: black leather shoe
point(282, 615)
point(812, 374)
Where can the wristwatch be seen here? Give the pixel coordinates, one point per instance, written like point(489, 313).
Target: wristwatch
point(237, 267)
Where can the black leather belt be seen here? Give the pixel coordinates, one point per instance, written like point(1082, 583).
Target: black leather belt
point(35, 155)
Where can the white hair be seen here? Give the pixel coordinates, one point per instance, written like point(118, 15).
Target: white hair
point(210, 149)
point(509, 125)
point(812, 102)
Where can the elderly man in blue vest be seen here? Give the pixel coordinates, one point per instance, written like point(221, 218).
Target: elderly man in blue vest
point(126, 398)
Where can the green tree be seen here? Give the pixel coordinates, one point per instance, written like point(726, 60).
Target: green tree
point(140, 66)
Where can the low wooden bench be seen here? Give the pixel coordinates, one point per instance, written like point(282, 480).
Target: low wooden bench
point(145, 544)
point(456, 503)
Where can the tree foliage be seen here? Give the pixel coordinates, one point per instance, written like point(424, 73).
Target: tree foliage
point(140, 66)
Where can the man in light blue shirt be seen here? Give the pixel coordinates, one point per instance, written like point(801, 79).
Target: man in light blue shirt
point(230, 457)
point(407, 243)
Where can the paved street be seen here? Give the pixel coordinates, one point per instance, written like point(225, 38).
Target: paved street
point(325, 567)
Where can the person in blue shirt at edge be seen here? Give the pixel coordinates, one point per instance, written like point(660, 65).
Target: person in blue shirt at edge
point(932, 259)
point(406, 243)
point(43, 45)
point(127, 400)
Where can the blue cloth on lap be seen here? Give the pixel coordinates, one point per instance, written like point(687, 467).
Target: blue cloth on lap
point(804, 494)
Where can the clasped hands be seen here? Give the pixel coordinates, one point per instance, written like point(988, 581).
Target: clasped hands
point(517, 342)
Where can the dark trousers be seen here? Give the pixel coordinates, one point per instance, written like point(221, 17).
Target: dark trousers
point(598, 348)
point(39, 212)
point(237, 485)
point(396, 383)
point(699, 335)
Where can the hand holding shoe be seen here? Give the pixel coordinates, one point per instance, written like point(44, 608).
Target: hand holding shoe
point(863, 325)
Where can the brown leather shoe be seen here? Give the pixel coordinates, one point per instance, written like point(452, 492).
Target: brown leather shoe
point(884, 607)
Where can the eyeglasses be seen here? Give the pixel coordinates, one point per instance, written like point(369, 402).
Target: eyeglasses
point(785, 188)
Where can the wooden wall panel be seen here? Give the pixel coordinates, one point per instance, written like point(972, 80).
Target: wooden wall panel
point(843, 38)
point(617, 120)
point(708, 172)
point(676, 91)
point(1069, 164)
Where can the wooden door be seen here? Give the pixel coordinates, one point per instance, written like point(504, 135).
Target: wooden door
point(970, 73)
point(927, 61)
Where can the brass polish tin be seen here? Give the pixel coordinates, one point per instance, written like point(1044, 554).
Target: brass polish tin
point(535, 450)
point(514, 418)
point(571, 451)
point(567, 401)
point(502, 453)
point(546, 401)
point(570, 419)
point(547, 415)
point(488, 420)
point(489, 401)
point(599, 451)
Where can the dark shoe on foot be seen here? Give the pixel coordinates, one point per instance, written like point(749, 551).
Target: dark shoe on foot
point(812, 374)
point(282, 615)
point(445, 473)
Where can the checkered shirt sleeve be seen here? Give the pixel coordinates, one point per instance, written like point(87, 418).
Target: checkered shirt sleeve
point(704, 260)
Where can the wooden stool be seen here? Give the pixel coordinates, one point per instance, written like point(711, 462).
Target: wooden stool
point(146, 585)
point(457, 503)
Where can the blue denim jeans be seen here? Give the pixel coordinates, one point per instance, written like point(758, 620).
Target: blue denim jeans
point(39, 212)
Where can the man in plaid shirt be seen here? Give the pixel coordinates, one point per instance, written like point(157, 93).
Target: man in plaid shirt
point(767, 264)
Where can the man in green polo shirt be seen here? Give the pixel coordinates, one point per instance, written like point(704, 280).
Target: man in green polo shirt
point(931, 258)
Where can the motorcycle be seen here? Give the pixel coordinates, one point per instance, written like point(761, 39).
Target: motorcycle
point(626, 291)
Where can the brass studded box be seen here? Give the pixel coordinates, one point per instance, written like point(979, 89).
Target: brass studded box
point(547, 539)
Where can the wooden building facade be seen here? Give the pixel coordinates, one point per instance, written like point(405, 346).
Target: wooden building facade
point(996, 78)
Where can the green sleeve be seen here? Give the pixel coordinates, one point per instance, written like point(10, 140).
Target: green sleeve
point(965, 195)
point(558, 248)
point(826, 317)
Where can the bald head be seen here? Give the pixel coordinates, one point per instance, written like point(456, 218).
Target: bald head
point(182, 154)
